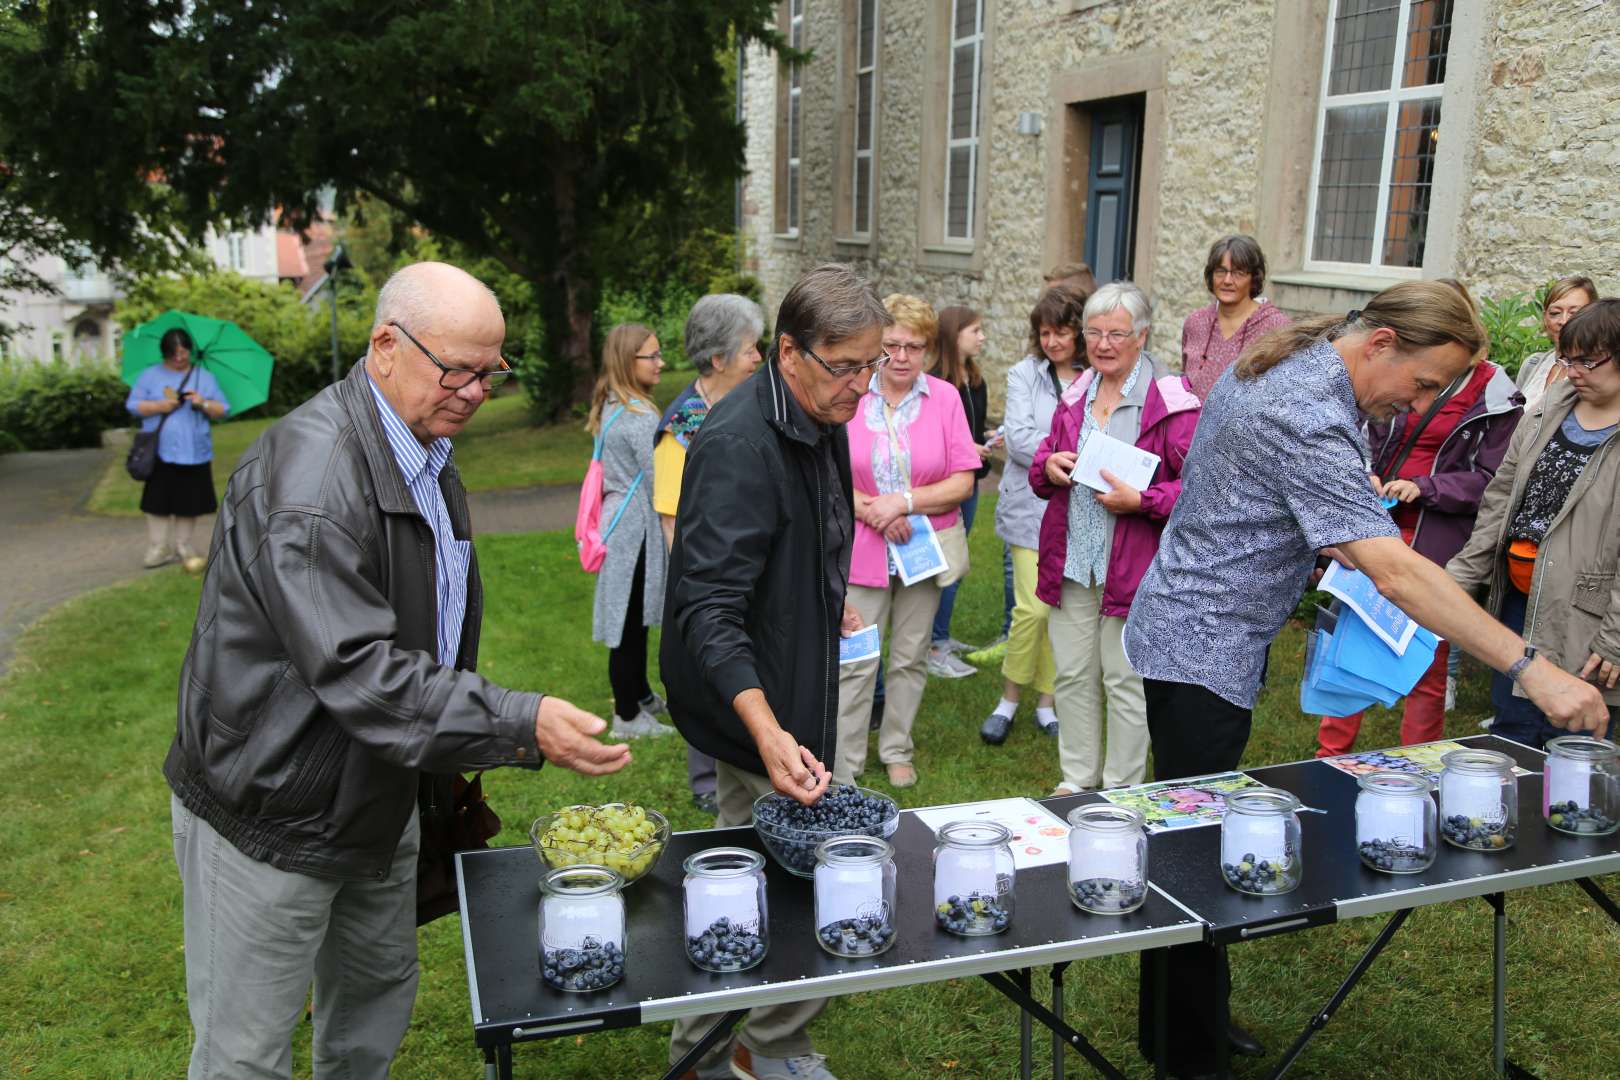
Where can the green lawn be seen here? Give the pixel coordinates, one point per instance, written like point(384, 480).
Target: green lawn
point(500, 448)
point(90, 924)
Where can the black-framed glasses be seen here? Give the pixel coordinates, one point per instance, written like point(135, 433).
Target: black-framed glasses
point(1230, 273)
point(455, 378)
point(1585, 363)
point(843, 371)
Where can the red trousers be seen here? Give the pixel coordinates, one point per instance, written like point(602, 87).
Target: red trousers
point(1422, 720)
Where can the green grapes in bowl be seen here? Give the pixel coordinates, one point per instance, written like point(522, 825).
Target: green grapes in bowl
point(619, 836)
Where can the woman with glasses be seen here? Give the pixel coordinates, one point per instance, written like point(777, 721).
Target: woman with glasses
point(1547, 541)
point(1095, 545)
point(1056, 356)
point(630, 586)
point(1538, 371)
point(1213, 337)
point(910, 453)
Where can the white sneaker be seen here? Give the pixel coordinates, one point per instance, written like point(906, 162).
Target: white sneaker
point(642, 725)
point(158, 555)
point(951, 645)
point(746, 1066)
point(948, 666)
point(653, 705)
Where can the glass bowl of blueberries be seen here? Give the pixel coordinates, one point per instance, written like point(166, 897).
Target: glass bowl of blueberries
point(792, 831)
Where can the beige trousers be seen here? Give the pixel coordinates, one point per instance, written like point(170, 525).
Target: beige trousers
point(778, 1031)
point(904, 616)
point(1090, 651)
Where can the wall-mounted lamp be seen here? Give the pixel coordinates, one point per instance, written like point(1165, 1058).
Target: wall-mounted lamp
point(1029, 123)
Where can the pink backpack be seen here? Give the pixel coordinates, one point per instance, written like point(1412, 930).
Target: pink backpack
point(588, 537)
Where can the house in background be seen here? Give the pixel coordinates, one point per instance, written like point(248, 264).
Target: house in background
point(957, 148)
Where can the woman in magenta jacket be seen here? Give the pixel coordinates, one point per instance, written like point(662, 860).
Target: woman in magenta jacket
point(1095, 547)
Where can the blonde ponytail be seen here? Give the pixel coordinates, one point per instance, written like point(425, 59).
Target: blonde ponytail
point(1423, 314)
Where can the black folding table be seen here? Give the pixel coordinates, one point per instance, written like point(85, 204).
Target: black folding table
point(1188, 901)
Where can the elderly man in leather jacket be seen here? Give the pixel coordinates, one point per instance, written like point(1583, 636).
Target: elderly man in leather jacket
point(330, 668)
point(755, 605)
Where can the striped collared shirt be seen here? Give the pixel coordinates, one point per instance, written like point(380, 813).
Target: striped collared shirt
point(420, 466)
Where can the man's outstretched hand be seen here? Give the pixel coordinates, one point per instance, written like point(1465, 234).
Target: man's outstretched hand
point(567, 737)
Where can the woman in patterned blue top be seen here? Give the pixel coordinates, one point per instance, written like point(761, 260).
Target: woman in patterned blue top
point(1277, 473)
point(183, 400)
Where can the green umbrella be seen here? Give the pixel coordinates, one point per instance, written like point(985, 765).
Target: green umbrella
point(240, 364)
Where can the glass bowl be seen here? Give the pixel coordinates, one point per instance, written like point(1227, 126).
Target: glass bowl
point(632, 865)
point(795, 849)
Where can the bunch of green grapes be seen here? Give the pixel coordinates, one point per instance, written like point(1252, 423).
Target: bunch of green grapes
point(603, 835)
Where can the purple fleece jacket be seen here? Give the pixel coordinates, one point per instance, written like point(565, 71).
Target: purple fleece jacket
point(1169, 416)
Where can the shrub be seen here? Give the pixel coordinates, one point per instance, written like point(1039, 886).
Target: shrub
point(58, 406)
point(1514, 324)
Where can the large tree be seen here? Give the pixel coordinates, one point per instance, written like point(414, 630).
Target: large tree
point(523, 130)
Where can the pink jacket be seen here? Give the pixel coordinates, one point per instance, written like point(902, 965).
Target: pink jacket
point(1169, 416)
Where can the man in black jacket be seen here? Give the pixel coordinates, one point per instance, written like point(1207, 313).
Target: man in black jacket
point(331, 667)
point(755, 602)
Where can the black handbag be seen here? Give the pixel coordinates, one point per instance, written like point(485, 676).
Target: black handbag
point(142, 459)
point(455, 818)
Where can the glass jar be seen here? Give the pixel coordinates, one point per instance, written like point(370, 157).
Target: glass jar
point(973, 878)
point(1580, 789)
point(1396, 822)
point(724, 895)
point(1261, 846)
point(1479, 800)
point(855, 878)
point(581, 927)
point(1107, 859)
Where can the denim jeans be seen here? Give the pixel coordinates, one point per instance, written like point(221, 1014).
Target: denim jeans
point(1516, 717)
point(947, 595)
point(1007, 598)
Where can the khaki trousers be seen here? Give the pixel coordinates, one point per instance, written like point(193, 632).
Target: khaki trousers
point(904, 616)
point(778, 1031)
point(1090, 651)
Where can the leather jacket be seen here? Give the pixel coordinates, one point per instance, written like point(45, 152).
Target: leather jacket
point(311, 700)
point(749, 601)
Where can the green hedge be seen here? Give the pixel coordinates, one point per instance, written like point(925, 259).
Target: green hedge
point(58, 406)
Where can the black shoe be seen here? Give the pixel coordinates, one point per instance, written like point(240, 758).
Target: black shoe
point(1243, 1042)
point(995, 728)
point(706, 802)
point(877, 715)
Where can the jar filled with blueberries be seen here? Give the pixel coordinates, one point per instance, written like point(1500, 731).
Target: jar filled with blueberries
point(1479, 800)
point(1396, 830)
point(973, 878)
point(724, 894)
point(1107, 859)
point(1262, 848)
point(581, 927)
point(1580, 787)
point(855, 878)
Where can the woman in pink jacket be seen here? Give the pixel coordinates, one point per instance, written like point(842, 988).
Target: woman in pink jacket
point(1095, 546)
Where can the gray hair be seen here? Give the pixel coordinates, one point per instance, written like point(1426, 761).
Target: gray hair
point(1121, 294)
point(827, 305)
point(409, 295)
point(718, 325)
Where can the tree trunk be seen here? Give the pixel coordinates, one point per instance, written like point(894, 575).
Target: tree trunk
point(567, 306)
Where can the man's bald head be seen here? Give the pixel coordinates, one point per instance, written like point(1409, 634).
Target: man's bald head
point(456, 321)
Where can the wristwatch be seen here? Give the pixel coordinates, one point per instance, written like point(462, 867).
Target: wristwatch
point(908, 502)
point(1517, 670)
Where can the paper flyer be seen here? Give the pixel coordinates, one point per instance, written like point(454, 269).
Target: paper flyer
point(1421, 758)
point(1039, 837)
point(920, 557)
point(863, 644)
point(1392, 625)
point(1134, 467)
point(1181, 804)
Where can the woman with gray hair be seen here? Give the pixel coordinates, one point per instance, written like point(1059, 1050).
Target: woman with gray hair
point(722, 341)
point(1096, 545)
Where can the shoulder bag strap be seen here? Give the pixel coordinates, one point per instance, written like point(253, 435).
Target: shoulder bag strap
point(617, 514)
point(1394, 468)
point(164, 419)
point(601, 438)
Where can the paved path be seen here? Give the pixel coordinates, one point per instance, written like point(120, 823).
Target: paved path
point(51, 549)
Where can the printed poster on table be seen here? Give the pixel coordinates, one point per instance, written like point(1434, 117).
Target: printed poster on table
point(1393, 626)
point(920, 557)
point(1422, 759)
point(1181, 804)
point(1039, 837)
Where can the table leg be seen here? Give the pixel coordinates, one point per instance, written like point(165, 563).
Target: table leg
point(503, 1061)
point(1010, 988)
point(722, 1027)
point(1057, 1009)
point(1600, 898)
point(1161, 1012)
point(1325, 1014)
point(1026, 1031)
point(489, 1063)
point(1499, 984)
point(1223, 1013)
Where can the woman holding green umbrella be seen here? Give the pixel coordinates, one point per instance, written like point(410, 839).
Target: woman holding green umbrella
point(179, 401)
